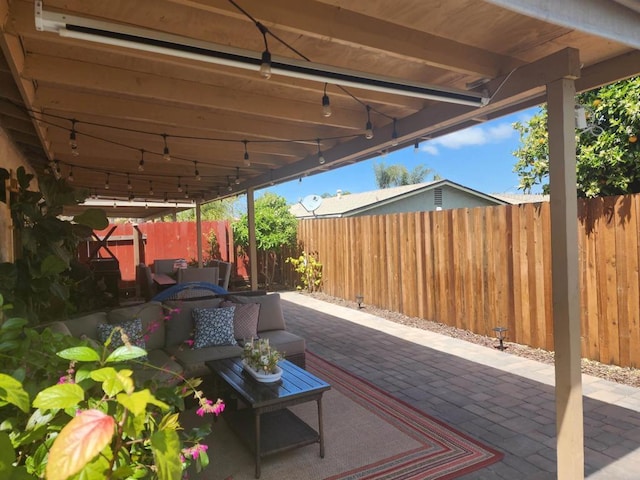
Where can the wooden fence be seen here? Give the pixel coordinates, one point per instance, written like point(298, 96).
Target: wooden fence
point(480, 268)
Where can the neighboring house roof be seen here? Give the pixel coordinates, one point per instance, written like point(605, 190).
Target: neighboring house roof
point(354, 203)
point(518, 198)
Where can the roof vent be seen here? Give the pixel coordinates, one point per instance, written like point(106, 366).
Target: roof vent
point(437, 196)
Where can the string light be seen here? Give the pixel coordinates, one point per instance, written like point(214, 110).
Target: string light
point(326, 103)
point(265, 62)
point(229, 187)
point(179, 186)
point(106, 183)
point(165, 152)
point(72, 139)
point(150, 188)
point(70, 176)
point(196, 172)
point(131, 197)
point(394, 135)
point(129, 186)
point(186, 191)
point(321, 159)
point(166, 197)
point(416, 147)
point(237, 176)
point(141, 163)
point(247, 162)
point(271, 177)
point(369, 127)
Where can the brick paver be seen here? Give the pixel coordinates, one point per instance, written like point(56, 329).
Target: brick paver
point(505, 401)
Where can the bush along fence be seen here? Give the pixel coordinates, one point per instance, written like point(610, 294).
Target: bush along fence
point(481, 268)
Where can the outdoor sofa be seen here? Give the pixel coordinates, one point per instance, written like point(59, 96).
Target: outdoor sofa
point(181, 335)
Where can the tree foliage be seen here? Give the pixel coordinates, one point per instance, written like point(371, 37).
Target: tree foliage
point(216, 210)
point(607, 152)
point(276, 227)
point(397, 175)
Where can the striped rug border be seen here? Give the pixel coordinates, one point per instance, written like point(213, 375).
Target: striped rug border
point(445, 453)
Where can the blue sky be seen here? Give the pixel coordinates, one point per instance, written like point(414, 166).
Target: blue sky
point(480, 157)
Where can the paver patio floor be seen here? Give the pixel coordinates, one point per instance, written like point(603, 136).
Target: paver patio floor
point(503, 400)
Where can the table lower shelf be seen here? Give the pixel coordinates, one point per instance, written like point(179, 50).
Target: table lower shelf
point(279, 431)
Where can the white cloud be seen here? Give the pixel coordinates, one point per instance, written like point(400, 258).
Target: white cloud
point(473, 136)
point(429, 148)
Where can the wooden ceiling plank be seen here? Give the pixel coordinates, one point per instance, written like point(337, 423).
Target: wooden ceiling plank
point(325, 22)
point(86, 77)
point(76, 104)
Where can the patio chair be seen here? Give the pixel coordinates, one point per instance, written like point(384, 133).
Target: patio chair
point(224, 274)
point(164, 265)
point(204, 274)
point(182, 291)
point(144, 282)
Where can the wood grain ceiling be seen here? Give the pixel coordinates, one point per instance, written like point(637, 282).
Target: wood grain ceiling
point(123, 100)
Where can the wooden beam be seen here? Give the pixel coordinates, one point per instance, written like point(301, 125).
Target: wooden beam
point(566, 295)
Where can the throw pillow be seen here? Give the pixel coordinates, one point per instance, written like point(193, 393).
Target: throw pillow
point(132, 328)
point(245, 319)
point(271, 317)
point(214, 326)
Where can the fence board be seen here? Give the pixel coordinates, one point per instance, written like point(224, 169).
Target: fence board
point(483, 267)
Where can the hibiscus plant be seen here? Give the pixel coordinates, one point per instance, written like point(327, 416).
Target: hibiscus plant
point(72, 410)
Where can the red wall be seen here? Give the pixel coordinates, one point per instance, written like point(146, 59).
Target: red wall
point(162, 240)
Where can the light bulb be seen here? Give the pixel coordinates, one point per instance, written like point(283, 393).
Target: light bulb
point(416, 147)
point(265, 66)
point(321, 159)
point(326, 106)
point(368, 131)
point(165, 154)
point(247, 162)
point(70, 177)
point(72, 142)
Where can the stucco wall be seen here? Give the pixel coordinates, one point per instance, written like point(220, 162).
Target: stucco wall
point(425, 201)
point(10, 159)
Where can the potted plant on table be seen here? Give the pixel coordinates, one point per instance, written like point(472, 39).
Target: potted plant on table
point(261, 361)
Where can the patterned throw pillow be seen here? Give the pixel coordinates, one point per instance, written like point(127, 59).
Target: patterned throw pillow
point(245, 319)
point(214, 326)
point(132, 328)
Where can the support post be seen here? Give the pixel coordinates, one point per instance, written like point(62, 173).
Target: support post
point(253, 249)
point(199, 230)
point(566, 293)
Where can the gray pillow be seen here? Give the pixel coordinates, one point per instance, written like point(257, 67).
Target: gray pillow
point(214, 326)
point(270, 317)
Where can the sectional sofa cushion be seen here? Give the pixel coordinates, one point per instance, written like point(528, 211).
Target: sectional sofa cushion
point(271, 316)
point(286, 342)
point(213, 326)
point(193, 358)
point(179, 326)
point(151, 314)
point(86, 325)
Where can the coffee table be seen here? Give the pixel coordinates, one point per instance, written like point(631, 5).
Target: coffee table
point(267, 426)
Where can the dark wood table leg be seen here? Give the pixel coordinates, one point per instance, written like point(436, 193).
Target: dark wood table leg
point(320, 429)
point(258, 450)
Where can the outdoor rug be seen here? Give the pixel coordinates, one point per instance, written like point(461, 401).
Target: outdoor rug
point(368, 435)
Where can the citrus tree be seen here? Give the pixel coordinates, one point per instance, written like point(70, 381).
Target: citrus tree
point(276, 228)
point(607, 152)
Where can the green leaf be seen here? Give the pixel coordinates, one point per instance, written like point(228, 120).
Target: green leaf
point(113, 381)
point(165, 445)
point(84, 437)
point(124, 353)
point(59, 396)
point(11, 391)
point(94, 218)
point(14, 323)
point(137, 402)
point(52, 265)
point(80, 354)
point(9, 345)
